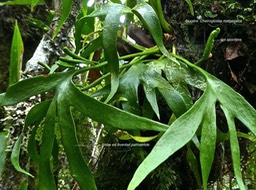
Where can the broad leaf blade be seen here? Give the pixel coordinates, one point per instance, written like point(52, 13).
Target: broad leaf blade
point(66, 9)
point(46, 178)
point(151, 97)
point(178, 73)
point(208, 139)
point(35, 117)
point(234, 145)
point(30, 87)
point(16, 155)
point(17, 50)
point(78, 167)
point(150, 20)
point(107, 114)
point(70, 96)
point(151, 80)
point(32, 147)
point(112, 13)
point(128, 89)
point(111, 25)
point(107, 9)
point(173, 98)
point(180, 133)
point(234, 103)
point(37, 113)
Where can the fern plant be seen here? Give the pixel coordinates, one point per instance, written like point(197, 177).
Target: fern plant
point(168, 75)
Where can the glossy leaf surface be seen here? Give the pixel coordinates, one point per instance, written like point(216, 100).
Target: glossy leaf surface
point(67, 95)
point(15, 156)
point(17, 50)
point(46, 178)
point(185, 127)
point(112, 13)
point(168, 77)
point(65, 11)
point(151, 80)
point(202, 112)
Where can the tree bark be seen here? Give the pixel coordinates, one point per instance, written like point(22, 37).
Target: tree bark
point(49, 49)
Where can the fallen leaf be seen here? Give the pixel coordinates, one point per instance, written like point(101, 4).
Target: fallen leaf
point(234, 50)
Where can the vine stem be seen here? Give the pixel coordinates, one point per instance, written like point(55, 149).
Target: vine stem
point(146, 52)
point(97, 81)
